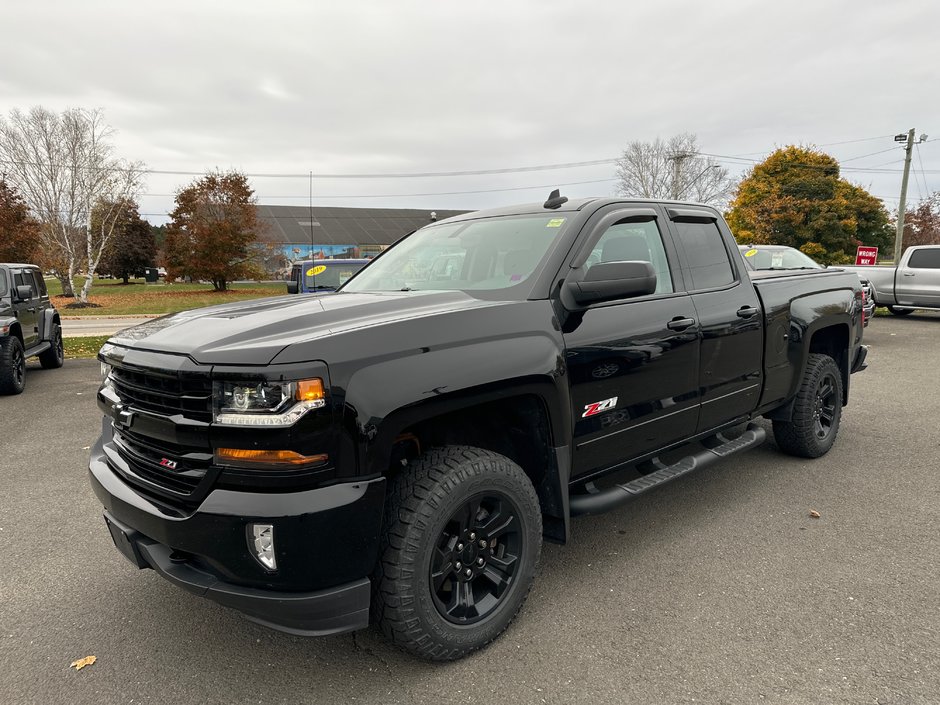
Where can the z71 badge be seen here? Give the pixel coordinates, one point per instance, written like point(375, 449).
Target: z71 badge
point(598, 407)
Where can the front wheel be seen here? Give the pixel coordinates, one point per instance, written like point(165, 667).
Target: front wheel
point(462, 539)
point(12, 366)
point(817, 411)
point(900, 311)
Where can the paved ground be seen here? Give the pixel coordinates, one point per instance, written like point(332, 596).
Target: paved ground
point(716, 589)
point(99, 325)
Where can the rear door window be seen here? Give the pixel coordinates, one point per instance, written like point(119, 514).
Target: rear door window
point(40, 284)
point(925, 259)
point(706, 255)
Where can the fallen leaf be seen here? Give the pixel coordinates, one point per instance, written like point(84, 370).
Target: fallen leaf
point(82, 662)
point(85, 447)
point(813, 513)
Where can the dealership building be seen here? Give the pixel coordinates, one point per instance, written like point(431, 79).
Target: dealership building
point(291, 233)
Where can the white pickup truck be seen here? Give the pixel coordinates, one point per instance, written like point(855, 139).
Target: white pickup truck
point(914, 283)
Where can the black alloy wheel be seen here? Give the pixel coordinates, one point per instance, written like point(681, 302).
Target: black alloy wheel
point(475, 558)
point(824, 408)
point(12, 366)
point(458, 553)
point(54, 357)
point(816, 413)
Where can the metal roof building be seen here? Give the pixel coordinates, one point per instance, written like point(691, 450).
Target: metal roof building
point(291, 225)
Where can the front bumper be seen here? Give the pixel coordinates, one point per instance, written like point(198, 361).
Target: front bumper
point(326, 544)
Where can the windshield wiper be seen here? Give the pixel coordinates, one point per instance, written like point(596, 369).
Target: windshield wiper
point(407, 288)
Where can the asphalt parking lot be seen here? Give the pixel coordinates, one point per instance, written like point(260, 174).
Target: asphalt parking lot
point(718, 588)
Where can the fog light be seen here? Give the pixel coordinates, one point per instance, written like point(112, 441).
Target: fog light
point(261, 541)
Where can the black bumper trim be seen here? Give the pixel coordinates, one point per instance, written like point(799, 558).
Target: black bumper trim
point(333, 610)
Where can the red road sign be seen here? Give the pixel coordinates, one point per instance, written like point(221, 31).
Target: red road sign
point(866, 256)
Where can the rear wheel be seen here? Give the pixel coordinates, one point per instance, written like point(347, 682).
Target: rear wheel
point(12, 366)
point(54, 356)
point(900, 311)
point(462, 539)
point(817, 411)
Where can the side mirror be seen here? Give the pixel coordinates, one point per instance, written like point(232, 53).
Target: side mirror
point(607, 281)
point(24, 292)
point(292, 287)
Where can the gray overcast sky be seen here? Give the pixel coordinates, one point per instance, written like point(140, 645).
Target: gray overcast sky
point(418, 86)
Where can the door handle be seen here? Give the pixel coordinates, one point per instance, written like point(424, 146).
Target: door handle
point(746, 311)
point(907, 274)
point(679, 323)
point(31, 310)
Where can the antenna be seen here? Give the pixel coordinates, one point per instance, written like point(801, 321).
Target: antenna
point(555, 200)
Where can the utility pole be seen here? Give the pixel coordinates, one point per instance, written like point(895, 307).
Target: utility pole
point(899, 236)
point(676, 160)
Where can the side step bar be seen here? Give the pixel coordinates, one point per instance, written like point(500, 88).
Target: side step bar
point(37, 349)
point(598, 501)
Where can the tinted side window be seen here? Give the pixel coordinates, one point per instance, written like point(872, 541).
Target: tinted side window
point(706, 254)
point(925, 259)
point(23, 279)
point(3, 282)
point(40, 284)
point(625, 242)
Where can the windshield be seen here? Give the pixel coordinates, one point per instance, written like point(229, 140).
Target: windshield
point(329, 275)
point(777, 258)
point(476, 255)
point(3, 282)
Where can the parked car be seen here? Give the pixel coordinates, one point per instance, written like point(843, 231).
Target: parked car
point(29, 325)
point(322, 275)
point(399, 448)
point(914, 283)
point(779, 257)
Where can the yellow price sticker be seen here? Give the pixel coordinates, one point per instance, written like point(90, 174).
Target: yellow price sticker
point(555, 223)
point(314, 271)
point(750, 253)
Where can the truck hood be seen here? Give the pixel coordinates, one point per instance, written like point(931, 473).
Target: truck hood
point(254, 332)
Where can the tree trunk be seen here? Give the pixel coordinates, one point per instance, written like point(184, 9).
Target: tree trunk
point(125, 276)
point(66, 282)
point(219, 284)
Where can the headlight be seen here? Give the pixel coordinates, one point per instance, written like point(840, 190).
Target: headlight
point(266, 403)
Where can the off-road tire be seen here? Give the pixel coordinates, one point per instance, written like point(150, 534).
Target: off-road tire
point(54, 357)
point(807, 434)
point(900, 311)
point(12, 366)
point(420, 515)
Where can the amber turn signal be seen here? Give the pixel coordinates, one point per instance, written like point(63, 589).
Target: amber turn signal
point(240, 456)
point(309, 390)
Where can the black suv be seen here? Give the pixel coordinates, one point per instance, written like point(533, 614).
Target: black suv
point(29, 325)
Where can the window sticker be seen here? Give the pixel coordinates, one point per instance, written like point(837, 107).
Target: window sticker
point(555, 223)
point(750, 253)
point(314, 271)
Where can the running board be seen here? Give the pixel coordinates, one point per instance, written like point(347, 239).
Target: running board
point(599, 501)
point(37, 349)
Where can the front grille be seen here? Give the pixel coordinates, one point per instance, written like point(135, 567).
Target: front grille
point(164, 393)
point(154, 464)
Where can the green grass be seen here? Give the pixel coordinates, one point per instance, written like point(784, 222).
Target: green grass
point(136, 298)
point(78, 348)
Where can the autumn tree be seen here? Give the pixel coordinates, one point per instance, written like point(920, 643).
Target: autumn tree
point(922, 224)
point(672, 169)
point(132, 246)
point(213, 225)
point(796, 197)
point(19, 233)
point(64, 164)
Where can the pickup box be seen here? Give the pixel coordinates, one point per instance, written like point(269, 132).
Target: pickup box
point(401, 447)
point(913, 283)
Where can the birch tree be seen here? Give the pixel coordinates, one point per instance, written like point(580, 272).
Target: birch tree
point(672, 169)
point(63, 165)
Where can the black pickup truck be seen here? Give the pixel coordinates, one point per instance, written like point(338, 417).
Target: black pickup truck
point(29, 325)
point(401, 447)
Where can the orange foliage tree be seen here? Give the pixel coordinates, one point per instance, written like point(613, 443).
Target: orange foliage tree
point(19, 233)
point(796, 197)
point(212, 228)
